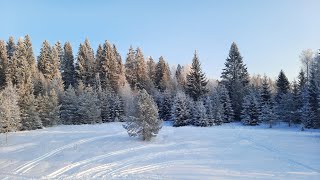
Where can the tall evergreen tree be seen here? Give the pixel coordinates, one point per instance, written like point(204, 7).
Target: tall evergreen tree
point(283, 85)
point(9, 110)
point(59, 49)
point(85, 65)
point(143, 81)
point(151, 69)
point(181, 112)
point(236, 79)
point(68, 70)
point(69, 107)
point(180, 78)
point(313, 89)
point(45, 64)
point(162, 75)
point(49, 109)
point(196, 80)
point(227, 114)
point(131, 68)
point(3, 64)
point(107, 68)
point(265, 91)
point(250, 112)
point(30, 56)
point(89, 111)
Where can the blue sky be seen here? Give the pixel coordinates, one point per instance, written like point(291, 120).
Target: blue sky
point(270, 34)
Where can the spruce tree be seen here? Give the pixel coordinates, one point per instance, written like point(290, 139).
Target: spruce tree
point(196, 80)
point(265, 91)
point(45, 65)
point(306, 112)
point(162, 80)
point(143, 81)
point(30, 56)
point(9, 109)
point(59, 49)
point(227, 114)
point(68, 70)
point(283, 85)
point(85, 65)
point(89, 111)
point(180, 78)
point(49, 109)
point(151, 69)
point(251, 111)
point(218, 110)
point(199, 115)
point(208, 104)
point(107, 67)
point(236, 79)
point(146, 124)
point(3, 64)
point(130, 65)
point(30, 119)
point(313, 89)
point(120, 68)
point(69, 107)
point(181, 112)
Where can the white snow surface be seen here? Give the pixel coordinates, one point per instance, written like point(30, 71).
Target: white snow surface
point(105, 151)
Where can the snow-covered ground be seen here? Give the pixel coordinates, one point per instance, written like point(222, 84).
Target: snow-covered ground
point(105, 151)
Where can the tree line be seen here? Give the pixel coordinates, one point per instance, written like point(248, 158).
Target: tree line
point(57, 87)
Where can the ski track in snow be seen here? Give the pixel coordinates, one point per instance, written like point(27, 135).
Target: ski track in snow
point(29, 165)
point(175, 149)
point(278, 154)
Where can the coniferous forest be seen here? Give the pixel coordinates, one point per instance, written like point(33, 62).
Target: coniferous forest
point(62, 85)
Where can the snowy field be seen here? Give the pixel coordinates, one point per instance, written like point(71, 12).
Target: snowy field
point(105, 151)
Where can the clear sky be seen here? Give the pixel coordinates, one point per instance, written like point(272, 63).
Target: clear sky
point(270, 33)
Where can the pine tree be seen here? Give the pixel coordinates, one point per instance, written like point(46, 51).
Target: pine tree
point(250, 112)
point(3, 64)
point(68, 70)
point(11, 47)
point(236, 79)
point(196, 80)
point(146, 124)
point(9, 109)
point(69, 107)
point(181, 112)
point(89, 111)
point(227, 114)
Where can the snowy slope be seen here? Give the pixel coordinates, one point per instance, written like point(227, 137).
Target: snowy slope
point(105, 151)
